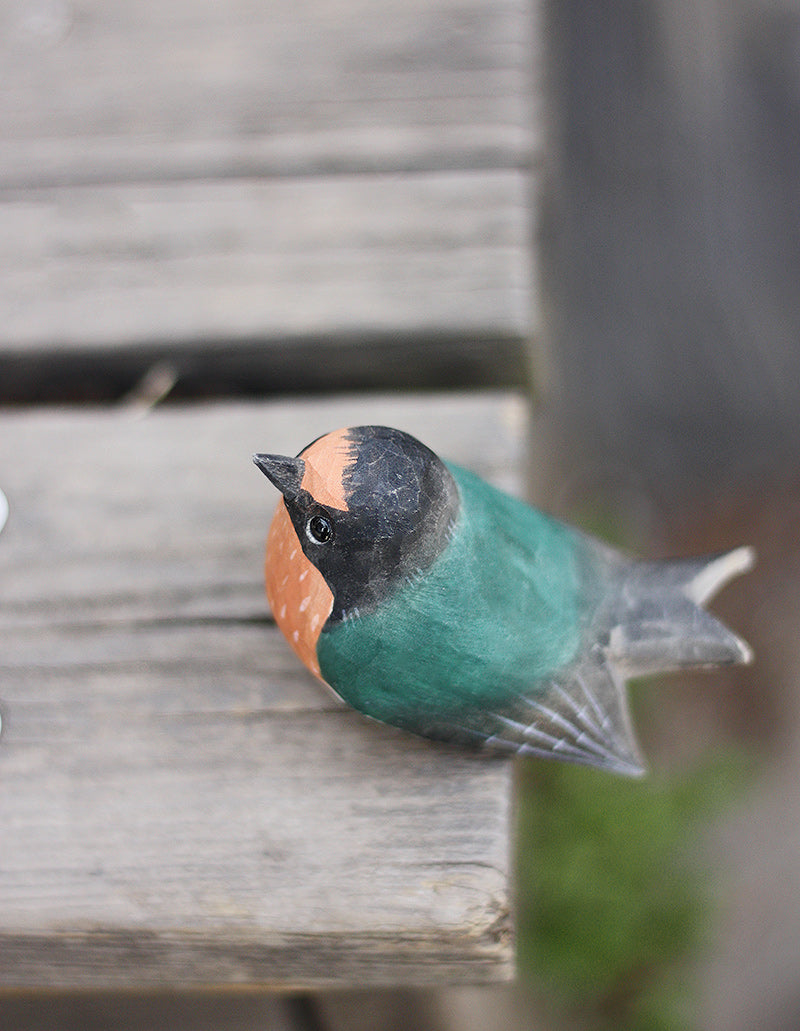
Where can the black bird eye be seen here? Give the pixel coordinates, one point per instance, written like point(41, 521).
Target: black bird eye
point(319, 529)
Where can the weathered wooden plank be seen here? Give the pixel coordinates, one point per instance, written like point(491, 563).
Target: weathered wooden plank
point(274, 260)
point(322, 194)
point(106, 91)
point(179, 803)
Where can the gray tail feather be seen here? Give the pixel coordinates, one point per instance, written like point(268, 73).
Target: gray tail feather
point(651, 621)
point(658, 622)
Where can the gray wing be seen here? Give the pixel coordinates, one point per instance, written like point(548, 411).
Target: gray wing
point(582, 717)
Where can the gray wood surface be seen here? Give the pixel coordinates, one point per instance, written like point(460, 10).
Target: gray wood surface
point(252, 175)
point(96, 267)
point(103, 91)
point(180, 803)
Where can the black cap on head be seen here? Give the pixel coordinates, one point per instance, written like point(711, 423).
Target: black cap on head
point(402, 503)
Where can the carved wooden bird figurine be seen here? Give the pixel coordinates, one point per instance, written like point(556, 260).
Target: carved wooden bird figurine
point(430, 600)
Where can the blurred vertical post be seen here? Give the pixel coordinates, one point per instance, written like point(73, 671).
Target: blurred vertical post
point(671, 241)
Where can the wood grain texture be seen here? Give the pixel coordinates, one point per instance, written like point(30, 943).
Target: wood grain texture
point(183, 178)
point(102, 91)
point(180, 803)
point(113, 266)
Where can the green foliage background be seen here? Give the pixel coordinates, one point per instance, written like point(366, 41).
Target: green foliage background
point(613, 896)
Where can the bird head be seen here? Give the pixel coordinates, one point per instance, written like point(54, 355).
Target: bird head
point(364, 510)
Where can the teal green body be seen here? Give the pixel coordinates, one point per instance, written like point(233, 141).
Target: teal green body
point(496, 615)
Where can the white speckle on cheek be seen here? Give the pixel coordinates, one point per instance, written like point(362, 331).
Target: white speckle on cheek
point(305, 603)
point(296, 636)
point(314, 622)
point(303, 575)
point(282, 613)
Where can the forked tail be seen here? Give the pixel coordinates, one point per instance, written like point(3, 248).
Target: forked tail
point(650, 619)
point(657, 621)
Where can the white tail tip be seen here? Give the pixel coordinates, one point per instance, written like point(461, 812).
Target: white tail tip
point(718, 572)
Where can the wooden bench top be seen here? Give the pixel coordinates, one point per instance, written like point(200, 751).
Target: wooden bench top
point(258, 199)
point(181, 804)
point(279, 196)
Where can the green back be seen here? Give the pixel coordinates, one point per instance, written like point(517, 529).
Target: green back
point(495, 615)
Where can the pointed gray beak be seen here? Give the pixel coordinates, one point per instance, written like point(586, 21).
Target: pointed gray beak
point(285, 473)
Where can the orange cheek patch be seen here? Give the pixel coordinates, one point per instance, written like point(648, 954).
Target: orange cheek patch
point(325, 462)
point(300, 599)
